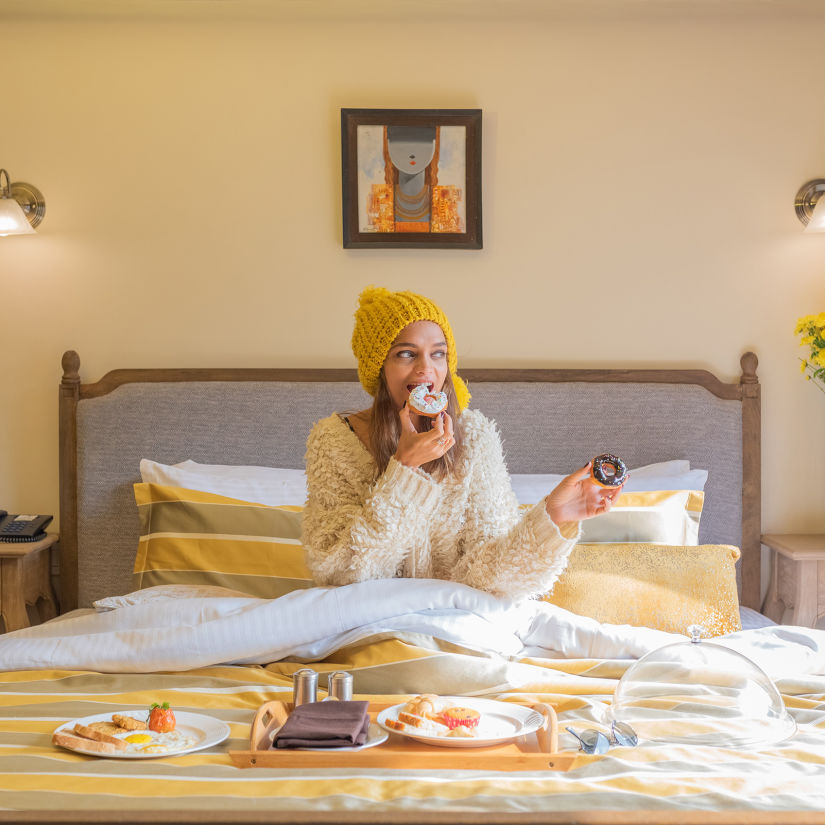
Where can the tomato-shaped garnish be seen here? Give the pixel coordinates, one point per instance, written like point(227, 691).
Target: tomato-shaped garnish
point(161, 718)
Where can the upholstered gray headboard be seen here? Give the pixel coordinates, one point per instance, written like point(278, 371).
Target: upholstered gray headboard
point(552, 421)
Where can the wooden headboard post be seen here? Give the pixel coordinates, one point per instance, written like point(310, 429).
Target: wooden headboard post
point(751, 482)
point(69, 395)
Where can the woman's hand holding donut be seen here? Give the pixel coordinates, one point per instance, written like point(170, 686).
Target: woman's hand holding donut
point(577, 497)
point(416, 449)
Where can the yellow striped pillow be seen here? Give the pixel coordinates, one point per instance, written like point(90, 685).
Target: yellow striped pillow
point(193, 537)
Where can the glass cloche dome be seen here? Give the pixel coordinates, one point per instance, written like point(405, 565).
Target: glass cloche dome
point(700, 693)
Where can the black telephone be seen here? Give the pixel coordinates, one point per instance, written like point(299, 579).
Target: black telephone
point(23, 527)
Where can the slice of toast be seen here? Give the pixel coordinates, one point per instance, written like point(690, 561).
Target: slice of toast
point(72, 741)
point(412, 719)
point(395, 724)
point(422, 723)
point(98, 736)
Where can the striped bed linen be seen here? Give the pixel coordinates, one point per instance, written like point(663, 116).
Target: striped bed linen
point(36, 776)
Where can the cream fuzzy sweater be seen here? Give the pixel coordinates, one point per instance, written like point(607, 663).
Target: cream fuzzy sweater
point(359, 524)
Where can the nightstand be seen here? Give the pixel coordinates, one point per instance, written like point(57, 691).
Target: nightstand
point(797, 568)
point(25, 579)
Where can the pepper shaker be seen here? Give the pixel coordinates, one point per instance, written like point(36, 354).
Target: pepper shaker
point(304, 686)
point(340, 686)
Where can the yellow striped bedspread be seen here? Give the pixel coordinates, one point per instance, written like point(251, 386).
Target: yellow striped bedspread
point(37, 776)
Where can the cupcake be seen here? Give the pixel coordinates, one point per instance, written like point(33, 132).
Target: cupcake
point(455, 716)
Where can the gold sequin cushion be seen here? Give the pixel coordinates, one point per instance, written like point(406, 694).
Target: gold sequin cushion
point(653, 585)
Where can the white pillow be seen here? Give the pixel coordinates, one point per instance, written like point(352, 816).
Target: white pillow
point(166, 592)
point(665, 475)
point(274, 486)
point(649, 517)
point(751, 619)
point(691, 480)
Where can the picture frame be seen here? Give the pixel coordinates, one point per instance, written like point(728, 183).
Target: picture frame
point(411, 178)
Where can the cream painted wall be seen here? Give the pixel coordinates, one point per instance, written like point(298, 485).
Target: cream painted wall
point(639, 177)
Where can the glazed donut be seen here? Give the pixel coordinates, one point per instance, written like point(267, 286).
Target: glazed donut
point(424, 402)
point(609, 470)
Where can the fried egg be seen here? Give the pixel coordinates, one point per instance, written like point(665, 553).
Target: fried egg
point(150, 742)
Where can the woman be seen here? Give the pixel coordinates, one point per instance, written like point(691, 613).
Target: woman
point(391, 493)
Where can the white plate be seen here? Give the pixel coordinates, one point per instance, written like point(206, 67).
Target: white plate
point(205, 730)
point(500, 722)
point(375, 736)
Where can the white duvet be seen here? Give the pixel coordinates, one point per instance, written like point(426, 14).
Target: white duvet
point(180, 633)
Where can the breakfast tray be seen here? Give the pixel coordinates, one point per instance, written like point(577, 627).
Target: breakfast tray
point(533, 752)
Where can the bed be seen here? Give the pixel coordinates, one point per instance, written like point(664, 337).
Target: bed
point(226, 657)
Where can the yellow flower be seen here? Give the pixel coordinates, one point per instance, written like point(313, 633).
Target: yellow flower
point(811, 328)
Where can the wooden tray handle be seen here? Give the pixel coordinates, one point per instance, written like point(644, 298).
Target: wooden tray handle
point(270, 715)
point(548, 733)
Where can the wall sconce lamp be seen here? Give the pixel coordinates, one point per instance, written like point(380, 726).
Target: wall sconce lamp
point(21, 207)
point(810, 205)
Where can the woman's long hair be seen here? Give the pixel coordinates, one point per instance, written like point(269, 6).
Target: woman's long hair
point(384, 430)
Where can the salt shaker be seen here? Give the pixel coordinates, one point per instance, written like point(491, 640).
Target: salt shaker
point(304, 686)
point(340, 685)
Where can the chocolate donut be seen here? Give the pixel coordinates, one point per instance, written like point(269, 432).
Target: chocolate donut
point(609, 470)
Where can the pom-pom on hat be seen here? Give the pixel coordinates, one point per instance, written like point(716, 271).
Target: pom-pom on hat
point(380, 316)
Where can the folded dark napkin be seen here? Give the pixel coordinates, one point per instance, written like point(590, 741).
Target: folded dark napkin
point(325, 725)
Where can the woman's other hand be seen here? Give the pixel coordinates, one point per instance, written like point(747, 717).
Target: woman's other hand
point(416, 449)
point(577, 497)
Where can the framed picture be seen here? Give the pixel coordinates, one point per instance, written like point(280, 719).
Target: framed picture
point(411, 178)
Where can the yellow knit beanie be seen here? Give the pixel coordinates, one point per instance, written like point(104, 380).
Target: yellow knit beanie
point(380, 316)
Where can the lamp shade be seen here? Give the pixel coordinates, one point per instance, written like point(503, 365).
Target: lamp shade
point(13, 220)
point(817, 221)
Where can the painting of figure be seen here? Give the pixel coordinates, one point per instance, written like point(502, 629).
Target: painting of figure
point(411, 177)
